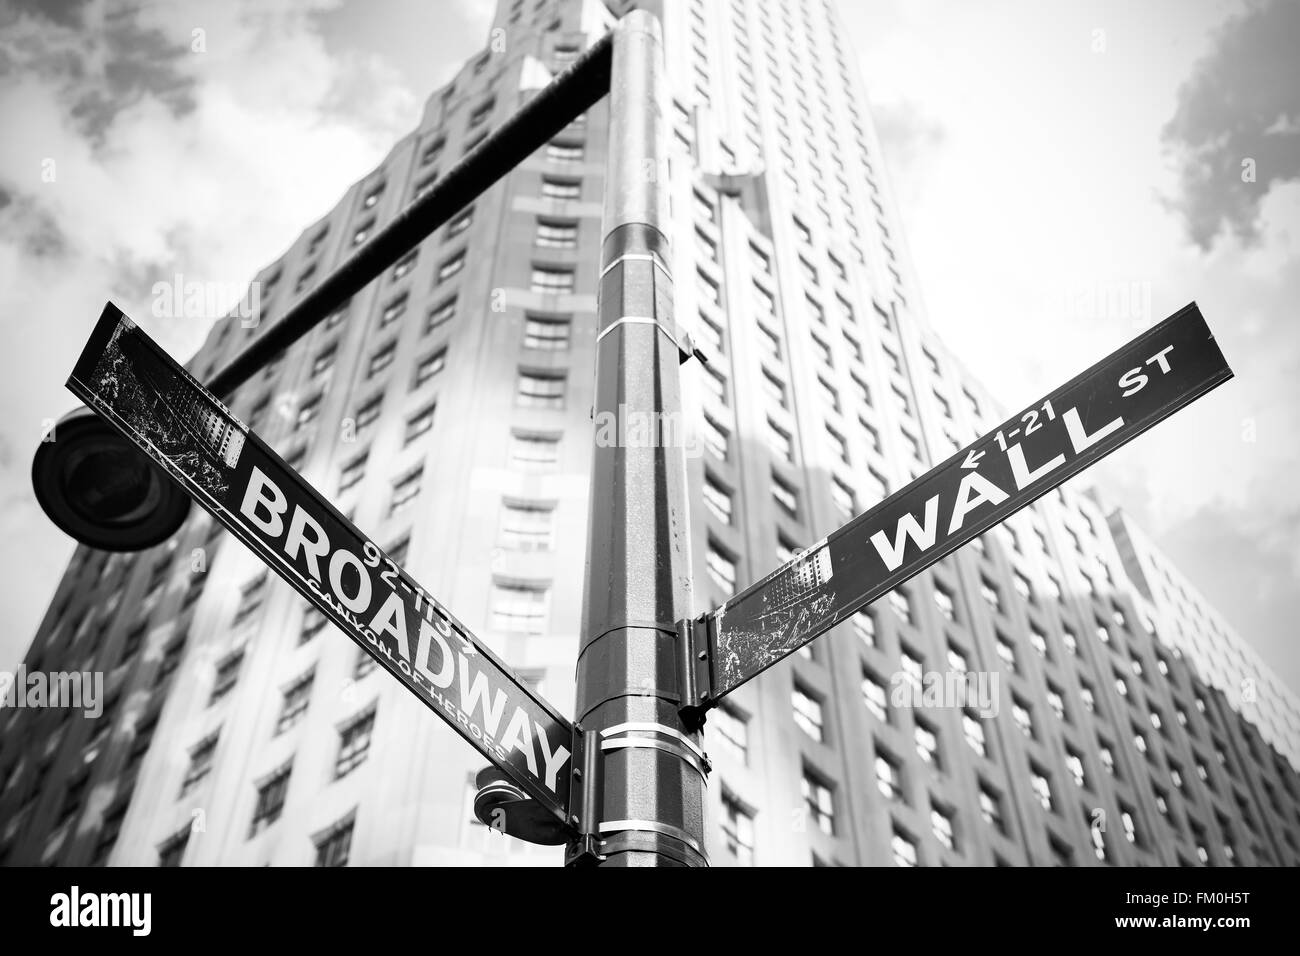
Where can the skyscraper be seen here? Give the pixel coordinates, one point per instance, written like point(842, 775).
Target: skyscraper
point(446, 410)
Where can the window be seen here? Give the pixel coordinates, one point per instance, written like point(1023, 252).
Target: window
point(307, 412)
point(564, 152)
point(312, 622)
point(913, 670)
point(711, 333)
point(864, 625)
point(481, 113)
point(270, 800)
point(722, 568)
point(364, 665)
point(1074, 763)
point(704, 208)
point(1056, 702)
point(973, 731)
point(459, 224)
point(324, 360)
point(778, 440)
point(838, 446)
point(519, 607)
point(404, 265)
point(429, 367)
point(541, 389)
point(440, 314)
point(372, 197)
point(819, 801)
point(1020, 713)
point(296, 699)
point(1107, 759)
point(808, 713)
point(381, 359)
point(784, 495)
point(333, 846)
point(1130, 827)
point(843, 497)
point(904, 403)
point(1098, 837)
point(944, 600)
point(708, 289)
point(731, 731)
point(738, 829)
point(1041, 786)
point(354, 743)
point(903, 848)
point(362, 232)
point(901, 605)
point(419, 423)
point(405, 490)
point(450, 266)
point(546, 332)
point(201, 756)
point(532, 452)
point(172, 850)
point(875, 697)
point(991, 808)
point(707, 247)
point(171, 658)
point(717, 498)
point(927, 743)
point(550, 281)
point(715, 438)
point(527, 526)
point(887, 781)
point(561, 188)
point(829, 393)
point(715, 384)
point(942, 826)
point(555, 234)
point(774, 387)
point(991, 595)
point(133, 640)
point(1006, 653)
point(227, 675)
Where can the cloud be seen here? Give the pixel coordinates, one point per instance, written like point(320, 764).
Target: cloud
point(141, 141)
point(1236, 130)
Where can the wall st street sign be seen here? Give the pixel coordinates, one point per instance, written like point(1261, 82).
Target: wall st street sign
point(125, 377)
point(1027, 456)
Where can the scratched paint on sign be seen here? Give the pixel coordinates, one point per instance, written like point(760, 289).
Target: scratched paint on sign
point(1098, 411)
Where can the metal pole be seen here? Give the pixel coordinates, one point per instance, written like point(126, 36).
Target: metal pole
point(549, 111)
point(648, 809)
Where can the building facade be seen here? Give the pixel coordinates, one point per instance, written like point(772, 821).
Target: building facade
point(446, 410)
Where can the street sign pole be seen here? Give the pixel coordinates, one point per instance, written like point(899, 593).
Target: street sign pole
point(646, 807)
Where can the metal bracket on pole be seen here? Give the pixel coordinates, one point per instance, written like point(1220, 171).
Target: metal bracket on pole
point(686, 349)
point(584, 799)
point(694, 670)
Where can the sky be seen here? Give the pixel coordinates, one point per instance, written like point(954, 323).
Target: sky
point(1047, 158)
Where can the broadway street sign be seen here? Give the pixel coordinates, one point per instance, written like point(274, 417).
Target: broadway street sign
point(135, 385)
point(1030, 454)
